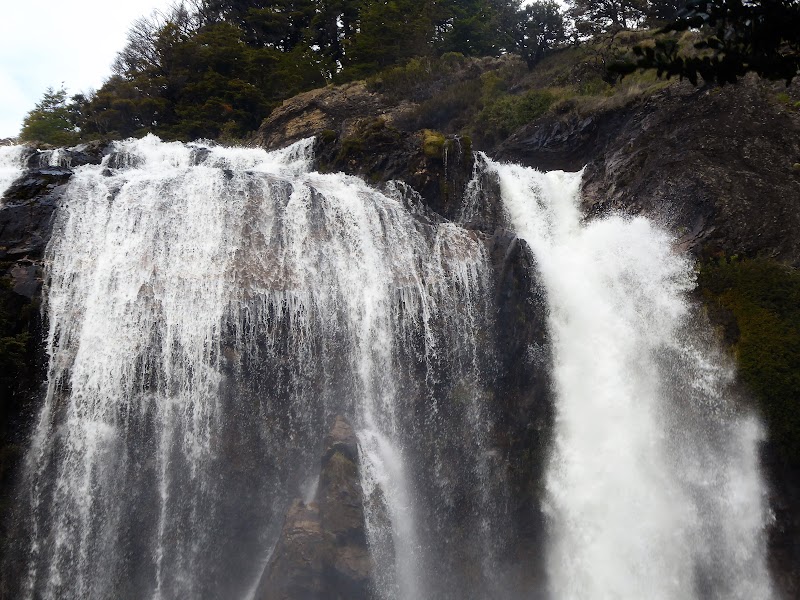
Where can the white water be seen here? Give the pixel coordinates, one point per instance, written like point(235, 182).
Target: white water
point(652, 489)
point(11, 166)
point(210, 309)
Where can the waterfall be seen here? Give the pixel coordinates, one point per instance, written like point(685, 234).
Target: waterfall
point(11, 165)
point(210, 310)
point(652, 488)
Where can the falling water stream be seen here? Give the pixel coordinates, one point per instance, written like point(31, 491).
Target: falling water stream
point(11, 166)
point(652, 489)
point(212, 309)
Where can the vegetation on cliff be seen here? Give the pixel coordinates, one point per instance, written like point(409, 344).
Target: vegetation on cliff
point(216, 68)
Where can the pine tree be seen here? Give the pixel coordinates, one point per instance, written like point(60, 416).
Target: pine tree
point(52, 121)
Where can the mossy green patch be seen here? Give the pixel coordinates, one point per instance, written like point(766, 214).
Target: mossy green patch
point(758, 304)
point(350, 147)
point(433, 144)
point(506, 113)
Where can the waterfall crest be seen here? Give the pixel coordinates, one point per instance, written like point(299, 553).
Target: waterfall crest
point(653, 487)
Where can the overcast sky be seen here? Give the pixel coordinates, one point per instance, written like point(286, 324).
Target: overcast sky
point(46, 42)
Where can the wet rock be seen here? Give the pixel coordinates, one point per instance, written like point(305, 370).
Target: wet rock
point(26, 278)
point(322, 551)
point(438, 168)
point(296, 570)
point(26, 223)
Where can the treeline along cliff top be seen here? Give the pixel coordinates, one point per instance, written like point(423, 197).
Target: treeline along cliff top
point(216, 68)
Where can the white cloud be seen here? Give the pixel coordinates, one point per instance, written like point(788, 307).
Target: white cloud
point(46, 43)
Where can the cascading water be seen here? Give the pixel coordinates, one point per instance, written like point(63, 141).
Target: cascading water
point(210, 310)
point(11, 165)
point(652, 488)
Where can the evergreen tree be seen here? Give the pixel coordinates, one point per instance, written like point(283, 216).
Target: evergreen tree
point(479, 27)
point(389, 32)
point(540, 29)
point(332, 29)
point(52, 121)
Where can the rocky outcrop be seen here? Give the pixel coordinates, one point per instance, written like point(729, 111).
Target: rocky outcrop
point(438, 168)
point(338, 109)
point(322, 551)
point(713, 164)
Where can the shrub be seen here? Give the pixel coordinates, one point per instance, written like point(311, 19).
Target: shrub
point(507, 113)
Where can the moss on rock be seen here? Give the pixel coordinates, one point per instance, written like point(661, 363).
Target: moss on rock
point(757, 303)
point(433, 144)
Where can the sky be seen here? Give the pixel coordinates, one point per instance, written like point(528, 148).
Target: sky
point(44, 43)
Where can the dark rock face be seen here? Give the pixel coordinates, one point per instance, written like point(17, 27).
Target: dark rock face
point(524, 405)
point(25, 226)
point(723, 179)
point(566, 143)
point(436, 167)
point(322, 551)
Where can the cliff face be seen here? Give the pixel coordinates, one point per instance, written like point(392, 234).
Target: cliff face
point(716, 166)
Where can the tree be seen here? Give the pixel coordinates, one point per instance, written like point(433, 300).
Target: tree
point(476, 27)
point(52, 121)
point(332, 29)
point(741, 36)
point(540, 29)
point(389, 32)
point(663, 11)
point(599, 16)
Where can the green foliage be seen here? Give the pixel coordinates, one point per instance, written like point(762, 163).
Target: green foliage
point(757, 302)
point(738, 37)
point(433, 144)
point(592, 17)
point(389, 33)
point(477, 27)
point(396, 81)
point(52, 121)
point(789, 102)
point(540, 30)
point(507, 113)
